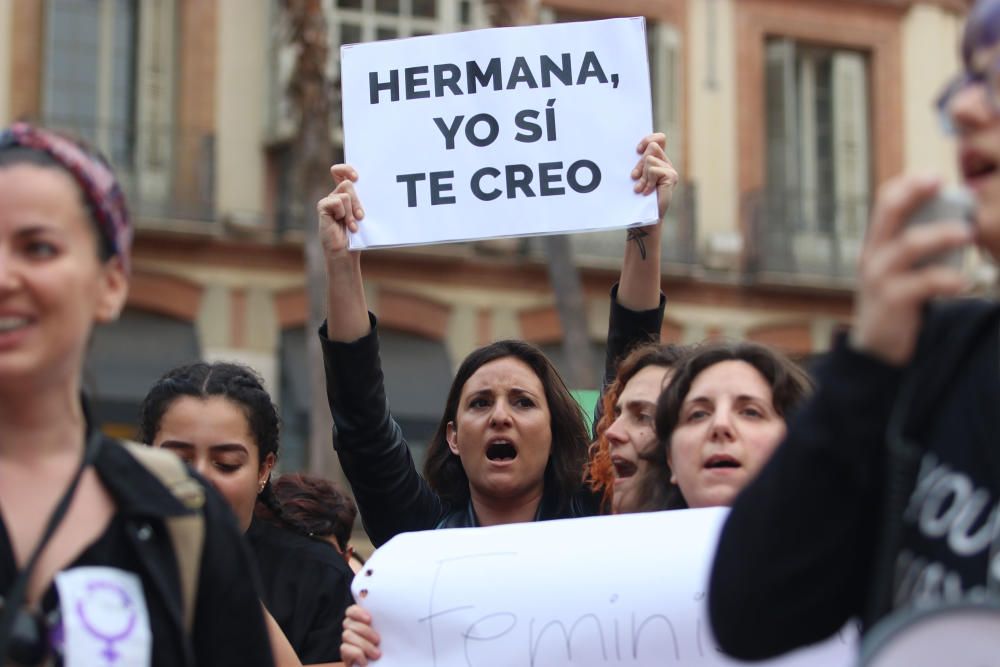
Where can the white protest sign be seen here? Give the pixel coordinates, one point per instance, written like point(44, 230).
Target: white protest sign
point(622, 590)
point(498, 132)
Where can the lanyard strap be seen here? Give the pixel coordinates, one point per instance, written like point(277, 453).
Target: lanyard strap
point(15, 596)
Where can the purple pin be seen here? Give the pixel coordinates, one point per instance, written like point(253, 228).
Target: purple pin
point(109, 636)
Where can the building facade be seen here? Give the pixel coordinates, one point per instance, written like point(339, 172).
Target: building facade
point(783, 118)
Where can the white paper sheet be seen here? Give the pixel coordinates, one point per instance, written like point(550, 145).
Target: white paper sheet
point(577, 94)
point(105, 622)
point(623, 590)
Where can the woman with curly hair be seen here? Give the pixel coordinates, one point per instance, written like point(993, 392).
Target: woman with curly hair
point(219, 419)
point(620, 466)
point(315, 507)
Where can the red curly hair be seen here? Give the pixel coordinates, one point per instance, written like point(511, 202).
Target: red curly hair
point(600, 473)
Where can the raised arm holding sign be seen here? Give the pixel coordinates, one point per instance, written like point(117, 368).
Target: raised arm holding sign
point(511, 445)
point(391, 496)
point(563, 594)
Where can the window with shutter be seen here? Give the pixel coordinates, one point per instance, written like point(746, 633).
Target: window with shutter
point(108, 77)
point(814, 209)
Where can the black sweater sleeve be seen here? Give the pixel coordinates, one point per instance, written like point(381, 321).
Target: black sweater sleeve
point(626, 330)
point(392, 497)
point(794, 557)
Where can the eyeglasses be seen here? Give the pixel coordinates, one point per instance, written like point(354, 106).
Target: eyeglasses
point(988, 77)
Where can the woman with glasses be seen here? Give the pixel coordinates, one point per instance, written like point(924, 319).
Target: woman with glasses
point(885, 497)
point(100, 562)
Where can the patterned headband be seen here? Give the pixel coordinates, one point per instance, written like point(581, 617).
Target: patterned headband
point(94, 176)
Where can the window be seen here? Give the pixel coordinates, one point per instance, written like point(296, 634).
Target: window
point(417, 380)
point(663, 44)
point(108, 77)
point(355, 21)
point(818, 164)
point(351, 22)
point(127, 357)
point(89, 74)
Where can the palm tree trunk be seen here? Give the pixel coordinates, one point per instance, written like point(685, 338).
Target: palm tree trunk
point(309, 90)
point(563, 273)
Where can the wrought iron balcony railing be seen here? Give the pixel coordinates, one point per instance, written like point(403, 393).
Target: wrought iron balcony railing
point(804, 237)
point(167, 172)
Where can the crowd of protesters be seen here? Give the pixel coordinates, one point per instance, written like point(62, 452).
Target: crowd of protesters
point(831, 479)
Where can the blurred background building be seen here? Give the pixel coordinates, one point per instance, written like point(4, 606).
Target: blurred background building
point(783, 118)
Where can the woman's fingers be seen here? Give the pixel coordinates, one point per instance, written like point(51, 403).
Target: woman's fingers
point(358, 613)
point(900, 270)
point(658, 138)
point(352, 656)
point(656, 173)
point(360, 641)
point(917, 287)
point(897, 201)
point(361, 644)
point(920, 245)
point(343, 172)
point(654, 156)
point(344, 175)
point(338, 208)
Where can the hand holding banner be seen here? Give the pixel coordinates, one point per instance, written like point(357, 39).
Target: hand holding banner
point(622, 590)
point(499, 132)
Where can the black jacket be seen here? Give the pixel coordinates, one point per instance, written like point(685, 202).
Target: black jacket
point(229, 623)
point(392, 497)
point(806, 546)
point(306, 587)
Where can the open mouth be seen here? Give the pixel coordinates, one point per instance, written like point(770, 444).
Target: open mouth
point(8, 324)
point(501, 450)
point(623, 468)
point(719, 461)
point(975, 165)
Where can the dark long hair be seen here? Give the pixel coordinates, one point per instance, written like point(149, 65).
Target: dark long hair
point(313, 506)
point(234, 382)
point(443, 469)
point(789, 383)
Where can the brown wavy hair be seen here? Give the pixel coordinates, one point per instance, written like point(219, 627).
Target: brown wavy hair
point(599, 472)
point(789, 383)
point(313, 506)
point(443, 470)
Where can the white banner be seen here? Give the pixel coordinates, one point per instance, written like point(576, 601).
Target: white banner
point(621, 590)
point(499, 132)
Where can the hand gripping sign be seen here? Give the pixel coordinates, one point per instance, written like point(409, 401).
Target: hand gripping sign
point(623, 590)
point(498, 132)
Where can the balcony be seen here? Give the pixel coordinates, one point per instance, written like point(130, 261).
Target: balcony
point(167, 173)
point(800, 238)
point(604, 249)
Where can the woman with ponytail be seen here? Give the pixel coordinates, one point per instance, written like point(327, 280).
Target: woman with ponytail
point(219, 418)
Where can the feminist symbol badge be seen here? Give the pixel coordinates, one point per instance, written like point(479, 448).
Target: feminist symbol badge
point(105, 619)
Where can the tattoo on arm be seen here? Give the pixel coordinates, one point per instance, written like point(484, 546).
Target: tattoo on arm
point(638, 235)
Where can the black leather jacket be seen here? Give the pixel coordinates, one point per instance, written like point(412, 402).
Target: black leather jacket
point(392, 497)
point(228, 623)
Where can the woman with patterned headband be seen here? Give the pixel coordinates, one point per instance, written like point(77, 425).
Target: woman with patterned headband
point(100, 560)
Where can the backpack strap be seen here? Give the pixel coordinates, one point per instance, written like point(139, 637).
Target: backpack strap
point(187, 531)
